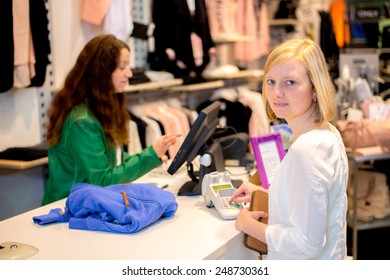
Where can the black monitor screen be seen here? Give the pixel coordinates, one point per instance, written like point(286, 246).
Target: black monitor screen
point(195, 142)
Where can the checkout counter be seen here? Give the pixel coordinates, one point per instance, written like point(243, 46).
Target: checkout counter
point(195, 232)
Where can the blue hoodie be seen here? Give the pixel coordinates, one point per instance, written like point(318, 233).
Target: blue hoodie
point(92, 207)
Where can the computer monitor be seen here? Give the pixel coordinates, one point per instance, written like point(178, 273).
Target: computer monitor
point(195, 144)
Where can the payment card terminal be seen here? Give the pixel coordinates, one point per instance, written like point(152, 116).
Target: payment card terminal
point(217, 190)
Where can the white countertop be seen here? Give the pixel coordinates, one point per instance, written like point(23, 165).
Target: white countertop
point(194, 232)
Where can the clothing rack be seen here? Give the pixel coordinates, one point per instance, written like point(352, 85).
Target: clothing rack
point(189, 95)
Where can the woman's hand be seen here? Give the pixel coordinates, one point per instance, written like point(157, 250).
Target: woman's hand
point(162, 144)
point(248, 222)
point(244, 193)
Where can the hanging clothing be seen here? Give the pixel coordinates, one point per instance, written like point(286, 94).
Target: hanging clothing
point(153, 131)
point(184, 125)
point(94, 11)
point(328, 44)
point(264, 37)
point(339, 14)
point(40, 35)
point(258, 122)
point(170, 123)
point(134, 146)
point(286, 9)
point(108, 16)
point(222, 17)
point(246, 26)
point(233, 113)
point(384, 30)
point(141, 129)
point(309, 21)
point(24, 56)
point(161, 118)
point(252, 21)
point(174, 50)
point(118, 20)
point(6, 46)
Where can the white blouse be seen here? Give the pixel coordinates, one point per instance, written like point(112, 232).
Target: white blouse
point(308, 199)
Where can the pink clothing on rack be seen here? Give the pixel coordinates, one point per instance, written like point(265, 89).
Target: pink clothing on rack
point(175, 127)
point(94, 11)
point(264, 38)
point(197, 48)
point(183, 120)
point(246, 26)
point(168, 121)
point(256, 27)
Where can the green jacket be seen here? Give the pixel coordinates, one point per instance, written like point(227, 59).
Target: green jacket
point(83, 155)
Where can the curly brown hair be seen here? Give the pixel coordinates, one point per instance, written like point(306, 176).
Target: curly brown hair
point(90, 82)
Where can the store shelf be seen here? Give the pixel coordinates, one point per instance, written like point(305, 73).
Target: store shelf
point(243, 74)
point(283, 22)
point(153, 85)
point(376, 223)
point(353, 221)
point(361, 158)
point(231, 38)
point(22, 165)
point(198, 87)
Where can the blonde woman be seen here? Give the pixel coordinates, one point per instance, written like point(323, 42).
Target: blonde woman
point(307, 198)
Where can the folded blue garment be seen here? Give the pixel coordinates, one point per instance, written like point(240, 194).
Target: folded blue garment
point(92, 207)
point(55, 215)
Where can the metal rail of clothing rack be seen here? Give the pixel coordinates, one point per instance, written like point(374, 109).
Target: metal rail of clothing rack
point(189, 94)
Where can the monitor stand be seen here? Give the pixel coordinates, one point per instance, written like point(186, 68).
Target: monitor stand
point(215, 162)
point(189, 188)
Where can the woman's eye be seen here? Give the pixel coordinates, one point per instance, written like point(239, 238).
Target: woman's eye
point(123, 66)
point(270, 82)
point(290, 82)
